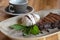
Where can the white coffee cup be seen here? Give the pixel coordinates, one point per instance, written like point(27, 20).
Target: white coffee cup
point(18, 5)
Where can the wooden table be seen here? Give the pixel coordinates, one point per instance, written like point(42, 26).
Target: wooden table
point(38, 5)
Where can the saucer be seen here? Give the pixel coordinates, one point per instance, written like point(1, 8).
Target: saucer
point(28, 10)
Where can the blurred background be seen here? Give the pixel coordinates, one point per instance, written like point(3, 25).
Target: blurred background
point(38, 4)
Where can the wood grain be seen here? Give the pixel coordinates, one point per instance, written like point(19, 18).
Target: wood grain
point(3, 3)
point(44, 4)
point(59, 36)
point(53, 37)
point(37, 4)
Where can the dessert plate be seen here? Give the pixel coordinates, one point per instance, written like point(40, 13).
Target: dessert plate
point(6, 23)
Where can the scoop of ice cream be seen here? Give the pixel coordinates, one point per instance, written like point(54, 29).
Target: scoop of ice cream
point(25, 21)
point(29, 19)
point(36, 17)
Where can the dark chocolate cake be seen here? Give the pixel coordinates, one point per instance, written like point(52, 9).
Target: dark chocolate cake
point(51, 21)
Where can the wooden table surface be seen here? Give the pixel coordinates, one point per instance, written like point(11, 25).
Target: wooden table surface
point(37, 4)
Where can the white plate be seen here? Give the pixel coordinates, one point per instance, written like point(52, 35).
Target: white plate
point(5, 24)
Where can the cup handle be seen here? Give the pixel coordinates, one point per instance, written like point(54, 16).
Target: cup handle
point(11, 6)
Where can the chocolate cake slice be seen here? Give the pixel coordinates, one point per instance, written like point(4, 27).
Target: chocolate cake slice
point(51, 21)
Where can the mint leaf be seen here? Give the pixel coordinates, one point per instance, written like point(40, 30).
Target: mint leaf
point(17, 27)
point(34, 30)
point(26, 31)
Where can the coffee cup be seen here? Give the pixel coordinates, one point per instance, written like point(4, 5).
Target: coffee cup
point(18, 6)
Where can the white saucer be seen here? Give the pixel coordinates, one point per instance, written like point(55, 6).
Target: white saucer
point(28, 10)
